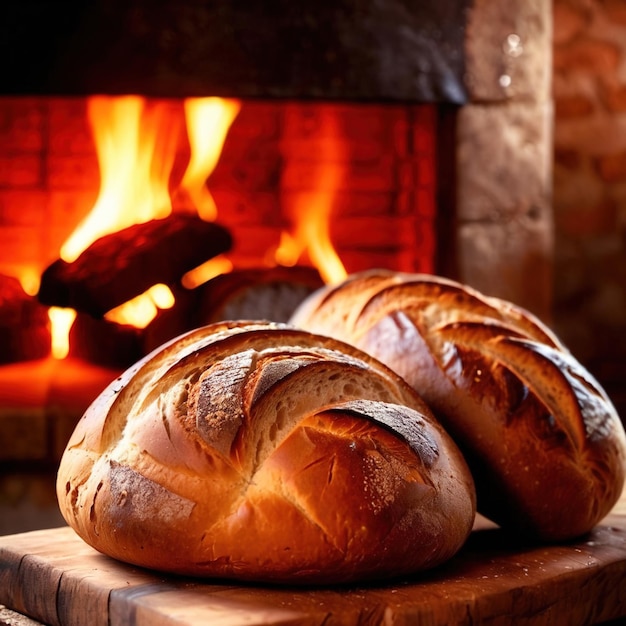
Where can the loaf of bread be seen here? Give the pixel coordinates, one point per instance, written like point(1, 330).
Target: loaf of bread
point(544, 442)
point(254, 451)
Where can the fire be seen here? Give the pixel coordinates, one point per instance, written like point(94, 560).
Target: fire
point(136, 144)
point(130, 161)
point(206, 118)
point(136, 147)
point(141, 310)
point(30, 278)
point(212, 268)
point(311, 213)
point(61, 321)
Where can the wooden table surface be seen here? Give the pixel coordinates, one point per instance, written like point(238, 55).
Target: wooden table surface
point(52, 576)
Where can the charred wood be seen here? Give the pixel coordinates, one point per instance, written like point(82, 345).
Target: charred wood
point(120, 266)
point(24, 324)
point(104, 343)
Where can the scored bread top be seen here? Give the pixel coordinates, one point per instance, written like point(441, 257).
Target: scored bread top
point(258, 451)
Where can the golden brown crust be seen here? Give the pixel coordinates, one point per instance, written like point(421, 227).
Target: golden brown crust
point(260, 452)
point(543, 440)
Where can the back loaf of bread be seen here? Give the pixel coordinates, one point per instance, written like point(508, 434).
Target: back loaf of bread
point(544, 442)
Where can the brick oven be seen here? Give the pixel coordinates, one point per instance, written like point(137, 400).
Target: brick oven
point(435, 121)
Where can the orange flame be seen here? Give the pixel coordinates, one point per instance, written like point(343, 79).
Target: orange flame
point(311, 212)
point(131, 189)
point(219, 264)
point(61, 321)
point(136, 147)
point(29, 278)
point(142, 309)
point(208, 121)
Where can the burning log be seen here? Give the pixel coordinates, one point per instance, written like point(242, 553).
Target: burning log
point(120, 266)
point(104, 343)
point(24, 324)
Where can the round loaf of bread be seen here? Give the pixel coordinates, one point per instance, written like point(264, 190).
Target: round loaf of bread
point(544, 442)
point(255, 451)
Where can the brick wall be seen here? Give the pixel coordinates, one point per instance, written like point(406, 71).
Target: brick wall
point(589, 85)
point(48, 178)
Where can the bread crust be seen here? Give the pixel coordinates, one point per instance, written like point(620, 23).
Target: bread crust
point(255, 451)
point(543, 440)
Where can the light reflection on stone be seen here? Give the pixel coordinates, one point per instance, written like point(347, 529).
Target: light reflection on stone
point(513, 45)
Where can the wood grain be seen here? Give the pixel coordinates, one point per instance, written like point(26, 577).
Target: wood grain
point(54, 577)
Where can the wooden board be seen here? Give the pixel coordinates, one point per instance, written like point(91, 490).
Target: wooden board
point(54, 577)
